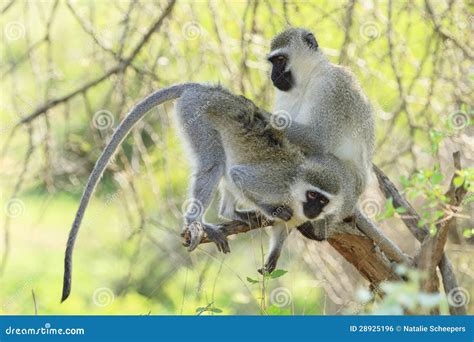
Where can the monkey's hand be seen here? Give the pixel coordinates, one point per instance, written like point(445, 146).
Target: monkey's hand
point(195, 232)
point(283, 212)
point(313, 230)
point(270, 264)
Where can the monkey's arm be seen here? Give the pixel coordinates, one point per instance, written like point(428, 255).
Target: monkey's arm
point(306, 137)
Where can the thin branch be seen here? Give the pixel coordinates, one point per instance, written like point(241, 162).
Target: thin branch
point(411, 219)
point(391, 250)
point(445, 35)
point(120, 67)
point(432, 248)
point(34, 302)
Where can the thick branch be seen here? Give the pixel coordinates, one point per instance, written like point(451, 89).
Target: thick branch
point(356, 248)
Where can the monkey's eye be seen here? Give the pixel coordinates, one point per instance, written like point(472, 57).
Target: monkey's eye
point(312, 195)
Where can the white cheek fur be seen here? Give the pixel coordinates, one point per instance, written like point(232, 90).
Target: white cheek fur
point(298, 193)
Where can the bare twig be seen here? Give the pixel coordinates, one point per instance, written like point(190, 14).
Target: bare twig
point(34, 301)
point(120, 67)
point(445, 35)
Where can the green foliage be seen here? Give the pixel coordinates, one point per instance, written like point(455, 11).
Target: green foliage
point(273, 275)
point(390, 210)
point(140, 258)
point(403, 297)
point(209, 308)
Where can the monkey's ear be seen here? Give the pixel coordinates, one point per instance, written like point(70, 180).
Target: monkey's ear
point(310, 41)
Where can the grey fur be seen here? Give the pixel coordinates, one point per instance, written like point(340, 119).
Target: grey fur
point(120, 133)
point(330, 111)
point(230, 141)
point(330, 114)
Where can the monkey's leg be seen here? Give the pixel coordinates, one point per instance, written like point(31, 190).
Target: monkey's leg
point(253, 183)
point(283, 212)
point(279, 234)
point(203, 187)
point(227, 204)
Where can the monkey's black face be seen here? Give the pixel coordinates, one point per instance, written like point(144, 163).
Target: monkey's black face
point(314, 205)
point(281, 79)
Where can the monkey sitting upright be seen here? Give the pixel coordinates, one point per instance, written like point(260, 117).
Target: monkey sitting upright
point(330, 114)
point(231, 143)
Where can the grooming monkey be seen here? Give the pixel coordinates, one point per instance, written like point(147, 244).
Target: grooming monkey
point(330, 113)
point(231, 143)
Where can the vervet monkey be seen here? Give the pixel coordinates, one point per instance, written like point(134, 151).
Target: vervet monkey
point(330, 114)
point(230, 141)
point(328, 111)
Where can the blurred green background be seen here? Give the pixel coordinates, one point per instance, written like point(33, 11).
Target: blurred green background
point(88, 62)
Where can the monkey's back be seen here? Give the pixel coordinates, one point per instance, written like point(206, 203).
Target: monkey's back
point(246, 135)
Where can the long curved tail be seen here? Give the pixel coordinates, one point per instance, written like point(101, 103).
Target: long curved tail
point(137, 112)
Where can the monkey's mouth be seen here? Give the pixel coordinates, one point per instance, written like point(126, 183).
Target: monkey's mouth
point(312, 210)
point(282, 80)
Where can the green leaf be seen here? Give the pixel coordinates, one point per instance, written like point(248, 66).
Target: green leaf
point(277, 273)
point(401, 210)
point(458, 181)
point(216, 310)
point(436, 178)
point(252, 281)
point(404, 180)
point(438, 214)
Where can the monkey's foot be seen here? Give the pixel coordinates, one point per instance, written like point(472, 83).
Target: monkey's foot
point(195, 232)
point(218, 237)
point(270, 265)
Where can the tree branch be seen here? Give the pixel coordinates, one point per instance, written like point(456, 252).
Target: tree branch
point(349, 241)
point(411, 219)
point(367, 248)
point(432, 247)
point(120, 67)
